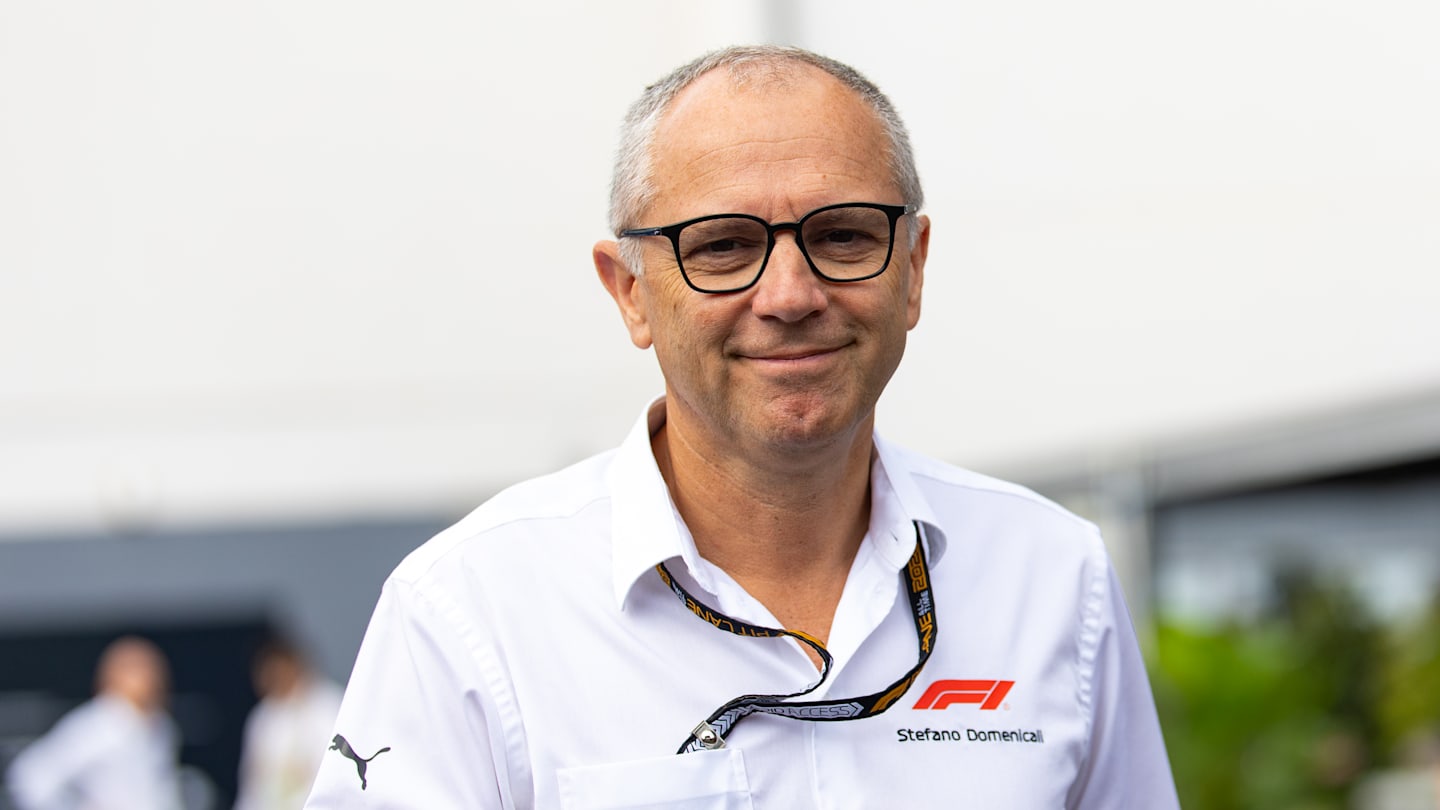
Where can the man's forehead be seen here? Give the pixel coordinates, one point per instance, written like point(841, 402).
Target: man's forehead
point(722, 113)
point(716, 94)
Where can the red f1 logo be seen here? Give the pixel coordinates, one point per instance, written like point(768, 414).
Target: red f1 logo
point(943, 693)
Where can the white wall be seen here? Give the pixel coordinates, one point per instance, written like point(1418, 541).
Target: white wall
point(1169, 217)
point(282, 260)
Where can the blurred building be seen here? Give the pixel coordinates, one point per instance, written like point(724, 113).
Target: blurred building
point(1207, 524)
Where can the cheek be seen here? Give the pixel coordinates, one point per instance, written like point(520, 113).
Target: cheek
point(877, 311)
point(904, 304)
point(690, 336)
point(690, 317)
point(669, 297)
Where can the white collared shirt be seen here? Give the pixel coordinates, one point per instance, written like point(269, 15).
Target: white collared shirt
point(284, 741)
point(103, 755)
point(530, 656)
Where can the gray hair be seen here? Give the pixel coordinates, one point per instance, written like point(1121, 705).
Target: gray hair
point(632, 189)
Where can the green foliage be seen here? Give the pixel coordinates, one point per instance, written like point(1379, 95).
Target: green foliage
point(1409, 703)
point(1288, 712)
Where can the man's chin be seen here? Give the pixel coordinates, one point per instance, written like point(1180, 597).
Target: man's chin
point(804, 427)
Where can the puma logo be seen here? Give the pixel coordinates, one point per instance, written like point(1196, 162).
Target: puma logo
point(343, 746)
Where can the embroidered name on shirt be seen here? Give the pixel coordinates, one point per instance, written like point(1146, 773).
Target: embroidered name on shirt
point(1015, 735)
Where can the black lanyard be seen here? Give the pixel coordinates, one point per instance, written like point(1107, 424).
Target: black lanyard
point(711, 733)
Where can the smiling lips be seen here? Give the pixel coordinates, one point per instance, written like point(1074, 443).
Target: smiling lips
point(791, 355)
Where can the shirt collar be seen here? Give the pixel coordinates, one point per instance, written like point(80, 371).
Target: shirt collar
point(646, 528)
point(896, 501)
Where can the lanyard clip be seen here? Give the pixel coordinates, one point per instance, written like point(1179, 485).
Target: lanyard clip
point(707, 736)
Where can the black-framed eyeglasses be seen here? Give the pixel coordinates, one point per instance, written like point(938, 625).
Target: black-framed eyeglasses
point(726, 253)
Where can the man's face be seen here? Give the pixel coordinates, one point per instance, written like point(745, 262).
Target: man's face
point(136, 671)
point(794, 362)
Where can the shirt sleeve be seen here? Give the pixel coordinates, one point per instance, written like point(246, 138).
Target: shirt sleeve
point(417, 726)
point(1126, 765)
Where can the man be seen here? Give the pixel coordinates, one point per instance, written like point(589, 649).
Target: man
point(756, 602)
point(117, 751)
point(287, 732)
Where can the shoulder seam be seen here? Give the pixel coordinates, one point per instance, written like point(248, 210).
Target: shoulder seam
point(460, 537)
point(1018, 493)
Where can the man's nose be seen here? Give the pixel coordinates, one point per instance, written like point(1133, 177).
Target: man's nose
point(788, 289)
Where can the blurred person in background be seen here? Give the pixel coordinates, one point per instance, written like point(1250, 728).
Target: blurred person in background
point(287, 733)
point(117, 751)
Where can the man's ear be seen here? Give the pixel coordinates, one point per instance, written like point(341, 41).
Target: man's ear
point(626, 289)
point(916, 280)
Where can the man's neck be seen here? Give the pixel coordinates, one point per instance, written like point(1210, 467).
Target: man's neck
point(786, 527)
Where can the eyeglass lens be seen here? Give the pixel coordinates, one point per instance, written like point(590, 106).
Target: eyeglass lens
point(726, 252)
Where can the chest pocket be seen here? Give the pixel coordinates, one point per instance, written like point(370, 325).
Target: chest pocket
point(703, 780)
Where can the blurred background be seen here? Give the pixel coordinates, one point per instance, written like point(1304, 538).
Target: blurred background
point(287, 287)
